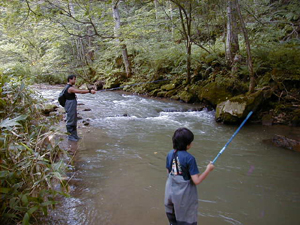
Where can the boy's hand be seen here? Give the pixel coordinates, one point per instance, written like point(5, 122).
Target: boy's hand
point(93, 92)
point(210, 167)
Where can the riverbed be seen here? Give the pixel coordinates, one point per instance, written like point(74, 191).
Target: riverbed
point(120, 174)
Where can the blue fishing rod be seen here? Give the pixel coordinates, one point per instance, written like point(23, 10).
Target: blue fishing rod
point(235, 133)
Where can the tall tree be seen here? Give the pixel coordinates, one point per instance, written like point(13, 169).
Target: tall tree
point(185, 12)
point(232, 41)
point(248, 49)
point(119, 39)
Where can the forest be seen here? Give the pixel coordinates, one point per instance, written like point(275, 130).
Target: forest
point(195, 51)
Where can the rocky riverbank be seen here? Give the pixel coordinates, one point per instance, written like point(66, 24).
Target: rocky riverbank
point(276, 100)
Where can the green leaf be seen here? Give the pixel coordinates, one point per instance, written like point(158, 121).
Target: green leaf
point(9, 123)
point(48, 203)
point(3, 174)
point(12, 122)
point(4, 190)
point(24, 200)
point(32, 210)
point(26, 219)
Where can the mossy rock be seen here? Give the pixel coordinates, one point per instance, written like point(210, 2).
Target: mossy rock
point(175, 97)
point(237, 108)
point(168, 87)
point(151, 86)
point(161, 94)
point(186, 96)
point(154, 92)
point(48, 108)
point(214, 93)
point(171, 93)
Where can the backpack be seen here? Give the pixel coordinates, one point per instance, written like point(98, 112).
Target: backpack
point(62, 97)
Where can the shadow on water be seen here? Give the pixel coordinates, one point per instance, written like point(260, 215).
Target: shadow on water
point(120, 170)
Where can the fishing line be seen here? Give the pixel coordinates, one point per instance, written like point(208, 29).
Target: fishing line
point(131, 85)
point(235, 133)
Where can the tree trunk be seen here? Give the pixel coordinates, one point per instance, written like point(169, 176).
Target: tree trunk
point(117, 19)
point(248, 48)
point(232, 42)
point(186, 23)
point(156, 9)
point(171, 16)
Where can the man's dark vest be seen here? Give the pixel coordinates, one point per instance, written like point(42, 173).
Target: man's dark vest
point(68, 95)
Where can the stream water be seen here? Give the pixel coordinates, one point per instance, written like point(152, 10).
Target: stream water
point(120, 166)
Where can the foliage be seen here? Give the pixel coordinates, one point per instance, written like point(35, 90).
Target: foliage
point(31, 165)
point(63, 37)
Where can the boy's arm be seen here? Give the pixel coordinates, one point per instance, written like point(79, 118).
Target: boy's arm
point(75, 90)
point(198, 178)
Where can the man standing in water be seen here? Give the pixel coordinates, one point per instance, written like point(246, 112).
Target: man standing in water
point(71, 106)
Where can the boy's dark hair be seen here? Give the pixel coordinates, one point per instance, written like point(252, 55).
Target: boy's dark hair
point(182, 138)
point(70, 77)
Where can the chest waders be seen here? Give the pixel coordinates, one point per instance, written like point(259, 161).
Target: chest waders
point(71, 122)
point(181, 199)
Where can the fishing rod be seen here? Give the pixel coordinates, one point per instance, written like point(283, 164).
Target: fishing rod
point(235, 133)
point(135, 84)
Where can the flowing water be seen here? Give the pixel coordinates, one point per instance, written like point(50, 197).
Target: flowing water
point(120, 170)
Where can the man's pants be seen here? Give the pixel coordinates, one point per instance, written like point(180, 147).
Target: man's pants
point(71, 123)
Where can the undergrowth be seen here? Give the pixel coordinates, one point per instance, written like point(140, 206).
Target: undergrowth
point(31, 169)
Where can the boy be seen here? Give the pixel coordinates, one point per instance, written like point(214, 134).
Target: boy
point(181, 197)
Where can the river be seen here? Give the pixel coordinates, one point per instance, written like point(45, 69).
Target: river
point(120, 170)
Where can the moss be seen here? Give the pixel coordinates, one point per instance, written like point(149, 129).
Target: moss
point(154, 92)
point(214, 93)
point(171, 93)
point(168, 87)
point(186, 96)
point(161, 94)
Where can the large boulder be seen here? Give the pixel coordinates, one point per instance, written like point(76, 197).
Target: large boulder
point(214, 94)
point(237, 108)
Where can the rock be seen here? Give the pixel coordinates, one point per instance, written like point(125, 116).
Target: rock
point(168, 87)
point(267, 120)
point(186, 96)
point(287, 143)
point(171, 93)
point(86, 122)
point(87, 110)
point(214, 93)
point(98, 85)
point(175, 97)
point(161, 94)
point(237, 108)
point(49, 108)
point(154, 92)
